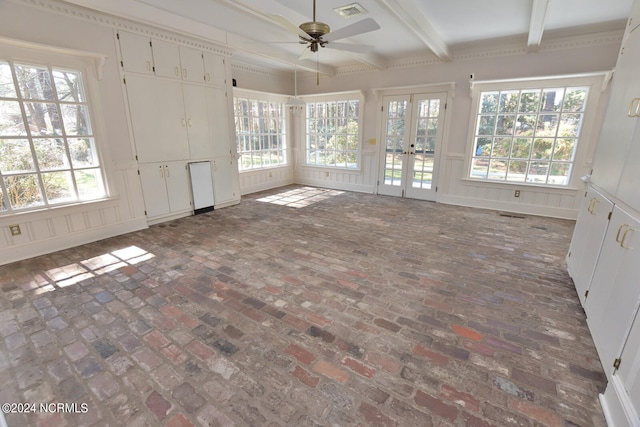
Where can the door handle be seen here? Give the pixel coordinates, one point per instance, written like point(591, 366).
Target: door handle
point(161, 171)
point(592, 205)
point(634, 112)
point(620, 231)
point(624, 237)
point(168, 170)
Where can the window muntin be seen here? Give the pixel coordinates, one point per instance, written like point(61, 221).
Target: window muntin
point(48, 153)
point(528, 135)
point(333, 133)
point(260, 133)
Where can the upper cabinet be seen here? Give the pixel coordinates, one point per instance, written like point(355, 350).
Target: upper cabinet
point(135, 52)
point(147, 55)
point(214, 69)
point(622, 114)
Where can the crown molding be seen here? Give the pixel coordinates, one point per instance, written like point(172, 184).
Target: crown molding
point(118, 23)
point(500, 48)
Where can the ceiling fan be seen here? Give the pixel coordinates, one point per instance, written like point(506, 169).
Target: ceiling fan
point(316, 34)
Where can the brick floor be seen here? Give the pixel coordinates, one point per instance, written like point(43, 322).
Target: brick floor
point(342, 309)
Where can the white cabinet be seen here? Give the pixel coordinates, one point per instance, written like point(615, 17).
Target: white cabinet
point(166, 58)
point(198, 119)
point(192, 64)
point(157, 118)
point(622, 397)
point(614, 293)
point(226, 184)
point(135, 53)
point(621, 117)
point(588, 235)
point(214, 69)
point(165, 187)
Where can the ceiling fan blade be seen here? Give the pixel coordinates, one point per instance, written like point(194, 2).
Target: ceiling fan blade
point(354, 29)
point(287, 25)
point(355, 48)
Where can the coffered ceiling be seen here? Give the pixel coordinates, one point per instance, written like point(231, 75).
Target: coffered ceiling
point(257, 29)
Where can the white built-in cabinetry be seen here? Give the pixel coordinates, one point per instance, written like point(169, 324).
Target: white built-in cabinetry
point(604, 256)
point(180, 113)
point(593, 220)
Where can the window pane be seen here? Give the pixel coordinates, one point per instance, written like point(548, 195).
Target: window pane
point(15, 156)
point(489, 102)
point(7, 88)
point(90, 185)
point(501, 147)
point(483, 147)
point(529, 101)
point(35, 83)
point(76, 119)
point(58, 186)
point(486, 125)
point(564, 149)
point(559, 173)
point(11, 123)
point(521, 148)
point(43, 118)
point(542, 148)
point(552, 99)
point(575, 99)
point(526, 124)
point(517, 171)
point(83, 152)
point(547, 125)
point(508, 102)
point(69, 86)
point(51, 153)
point(569, 125)
point(505, 125)
point(23, 191)
point(498, 169)
point(479, 168)
point(538, 172)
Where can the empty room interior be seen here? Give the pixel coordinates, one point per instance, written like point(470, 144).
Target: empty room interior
point(320, 213)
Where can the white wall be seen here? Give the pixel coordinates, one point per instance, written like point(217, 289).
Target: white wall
point(566, 57)
point(63, 227)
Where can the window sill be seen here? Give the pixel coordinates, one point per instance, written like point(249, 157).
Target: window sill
point(333, 168)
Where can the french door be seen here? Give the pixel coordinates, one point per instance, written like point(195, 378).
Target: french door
point(412, 136)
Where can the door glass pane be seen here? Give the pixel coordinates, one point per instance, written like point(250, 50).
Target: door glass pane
point(396, 111)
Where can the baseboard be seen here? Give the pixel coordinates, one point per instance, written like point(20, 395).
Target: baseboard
point(519, 208)
point(29, 250)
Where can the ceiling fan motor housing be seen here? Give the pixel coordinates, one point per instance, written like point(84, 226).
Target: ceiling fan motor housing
point(315, 29)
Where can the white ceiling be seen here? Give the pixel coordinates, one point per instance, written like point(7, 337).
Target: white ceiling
point(409, 28)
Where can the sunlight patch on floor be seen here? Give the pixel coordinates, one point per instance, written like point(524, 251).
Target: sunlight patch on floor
point(300, 197)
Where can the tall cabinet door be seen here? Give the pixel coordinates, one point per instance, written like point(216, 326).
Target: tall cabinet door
point(619, 124)
point(195, 107)
point(614, 293)
point(158, 119)
point(593, 220)
point(219, 117)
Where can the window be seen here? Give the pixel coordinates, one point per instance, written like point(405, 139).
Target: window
point(528, 135)
point(333, 133)
point(260, 131)
point(48, 153)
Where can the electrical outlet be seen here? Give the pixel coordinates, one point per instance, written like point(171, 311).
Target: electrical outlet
point(15, 230)
point(517, 194)
point(326, 174)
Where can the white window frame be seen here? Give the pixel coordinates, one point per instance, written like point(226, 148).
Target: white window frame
point(334, 97)
point(282, 135)
point(595, 82)
point(90, 67)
